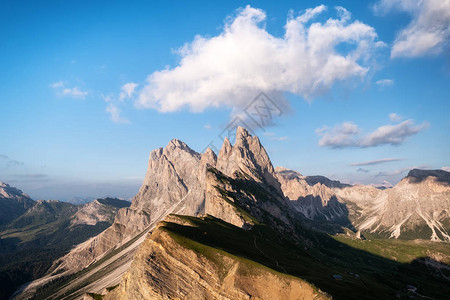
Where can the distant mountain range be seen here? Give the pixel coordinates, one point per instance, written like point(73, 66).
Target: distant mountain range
point(34, 233)
point(418, 207)
point(232, 226)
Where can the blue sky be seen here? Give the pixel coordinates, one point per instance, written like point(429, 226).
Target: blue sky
point(89, 89)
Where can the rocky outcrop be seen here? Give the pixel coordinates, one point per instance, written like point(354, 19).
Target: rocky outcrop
point(99, 210)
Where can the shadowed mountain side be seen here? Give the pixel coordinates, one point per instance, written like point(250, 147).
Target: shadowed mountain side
point(46, 231)
point(315, 259)
point(334, 211)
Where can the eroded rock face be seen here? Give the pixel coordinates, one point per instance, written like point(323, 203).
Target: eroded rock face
point(166, 268)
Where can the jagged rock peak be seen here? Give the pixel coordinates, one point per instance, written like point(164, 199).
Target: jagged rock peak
point(247, 155)
point(175, 144)
point(209, 157)
point(417, 175)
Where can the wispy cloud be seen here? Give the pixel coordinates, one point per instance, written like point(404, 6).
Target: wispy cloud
point(278, 138)
point(375, 162)
point(127, 90)
point(73, 92)
point(9, 161)
point(34, 175)
point(347, 135)
point(427, 33)
point(115, 116)
point(362, 170)
point(385, 82)
point(273, 137)
point(395, 117)
point(245, 59)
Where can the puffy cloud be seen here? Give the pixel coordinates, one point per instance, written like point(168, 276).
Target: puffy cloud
point(340, 136)
point(230, 69)
point(385, 82)
point(347, 135)
point(115, 116)
point(127, 90)
point(392, 134)
point(427, 33)
point(375, 162)
point(73, 92)
point(362, 170)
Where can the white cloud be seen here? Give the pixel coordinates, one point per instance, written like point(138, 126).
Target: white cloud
point(446, 169)
point(340, 136)
point(207, 126)
point(385, 82)
point(347, 135)
point(106, 98)
point(392, 134)
point(375, 162)
point(395, 117)
point(127, 90)
point(278, 138)
point(232, 68)
point(73, 92)
point(114, 111)
point(427, 33)
point(57, 84)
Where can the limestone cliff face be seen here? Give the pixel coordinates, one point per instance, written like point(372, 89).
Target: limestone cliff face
point(417, 207)
point(167, 267)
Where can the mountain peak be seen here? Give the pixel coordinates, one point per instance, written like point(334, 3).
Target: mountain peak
point(247, 155)
point(418, 175)
point(241, 132)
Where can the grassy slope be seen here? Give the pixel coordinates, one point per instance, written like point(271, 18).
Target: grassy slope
point(379, 278)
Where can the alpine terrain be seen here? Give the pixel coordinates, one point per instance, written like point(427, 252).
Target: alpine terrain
point(232, 226)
